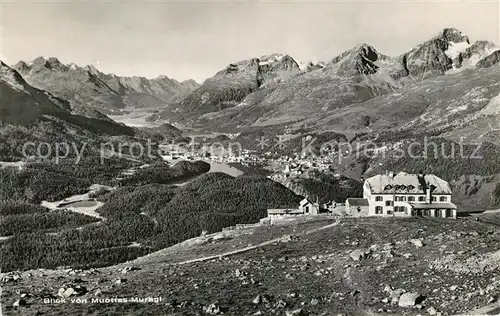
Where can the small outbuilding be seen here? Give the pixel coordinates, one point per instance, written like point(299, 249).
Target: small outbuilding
point(308, 207)
point(356, 207)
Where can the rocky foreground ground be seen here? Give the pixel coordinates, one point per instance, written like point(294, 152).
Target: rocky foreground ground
point(356, 267)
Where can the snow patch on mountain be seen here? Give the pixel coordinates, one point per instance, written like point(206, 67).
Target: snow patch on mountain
point(311, 65)
point(302, 65)
point(265, 60)
point(470, 60)
point(454, 49)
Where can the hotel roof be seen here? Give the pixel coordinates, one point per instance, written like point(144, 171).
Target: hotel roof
point(407, 183)
point(357, 202)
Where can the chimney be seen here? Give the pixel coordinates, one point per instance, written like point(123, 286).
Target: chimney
point(428, 195)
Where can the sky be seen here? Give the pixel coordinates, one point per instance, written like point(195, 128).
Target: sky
point(194, 40)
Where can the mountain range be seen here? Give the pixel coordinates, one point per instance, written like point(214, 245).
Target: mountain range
point(90, 88)
point(445, 81)
point(29, 114)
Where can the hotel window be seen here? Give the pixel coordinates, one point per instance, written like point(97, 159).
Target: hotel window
point(433, 199)
point(378, 198)
point(388, 203)
point(442, 199)
point(421, 198)
point(378, 209)
point(400, 209)
point(389, 212)
point(411, 199)
point(402, 198)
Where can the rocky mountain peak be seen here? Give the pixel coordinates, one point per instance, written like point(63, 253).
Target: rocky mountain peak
point(366, 51)
point(281, 62)
point(436, 55)
point(189, 81)
point(54, 61)
point(358, 60)
point(229, 86)
point(272, 57)
point(92, 69)
point(22, 67)
point(482, 45)
point(490, 60)
point(51, 63)
point(190, 84)
point(162, 77)
point(311, 65)
point(453, 35)
point(469, 55)
point(267, 63)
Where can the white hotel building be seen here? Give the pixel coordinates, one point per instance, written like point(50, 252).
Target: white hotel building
point(406, 194)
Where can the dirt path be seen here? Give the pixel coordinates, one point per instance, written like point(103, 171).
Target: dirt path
point(230, 253)
point(262, 244)
point(492, 309)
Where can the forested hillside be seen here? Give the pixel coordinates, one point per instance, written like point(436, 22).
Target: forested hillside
point(139, 219)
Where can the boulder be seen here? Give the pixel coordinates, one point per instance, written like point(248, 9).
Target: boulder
point(295, 312)
point(19, 303)
point(213, 309)
point(71, 291)
point(281, 304)
point(128, 269)
point(359, 254)
point(10, 278)
point(259, 299)
point(395, 295)
point(418, 243)
point(287, 238)
point(409, 299)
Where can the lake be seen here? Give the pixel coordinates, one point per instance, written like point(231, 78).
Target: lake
point(135, 118)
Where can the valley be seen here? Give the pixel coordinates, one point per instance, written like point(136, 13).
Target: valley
point(127, 187)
